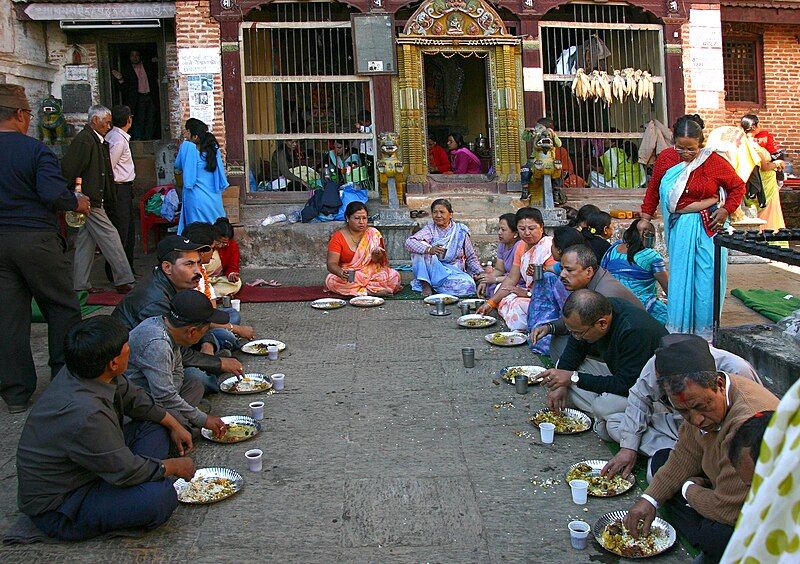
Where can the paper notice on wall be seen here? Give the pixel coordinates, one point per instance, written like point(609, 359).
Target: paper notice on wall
point(532, 80)
point(707, 70)
point(705, 50)
point(197, 60)
point(201, 97)
point(707, 100)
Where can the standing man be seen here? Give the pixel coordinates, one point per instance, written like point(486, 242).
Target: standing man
point(139, 81)
point(87, 157)
point(120, 212)
point(33, 262)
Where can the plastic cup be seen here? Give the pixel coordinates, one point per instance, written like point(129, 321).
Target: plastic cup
point(236, 304)
point(277, 381)
point(578, 534)
point(272, 352)
point(580, 491)
point(547, 432)
point(253, 457)
point(257, 410)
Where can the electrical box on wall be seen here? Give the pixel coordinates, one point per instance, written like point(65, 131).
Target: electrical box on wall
point(77, 98)
point(373, 44)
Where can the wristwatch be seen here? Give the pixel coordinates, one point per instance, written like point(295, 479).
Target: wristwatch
point(574, 378)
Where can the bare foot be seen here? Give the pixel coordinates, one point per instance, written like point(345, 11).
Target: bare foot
point(426, 290)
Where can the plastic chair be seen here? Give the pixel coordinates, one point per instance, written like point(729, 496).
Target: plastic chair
point(148, 221)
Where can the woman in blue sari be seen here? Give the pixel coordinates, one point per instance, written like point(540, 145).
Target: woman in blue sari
point(442, 256)
point(639, 269)
point(689, 181)
point(203, 175)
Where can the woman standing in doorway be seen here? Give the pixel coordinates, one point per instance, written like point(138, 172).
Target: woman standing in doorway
point(687, 181)
point(203, 175)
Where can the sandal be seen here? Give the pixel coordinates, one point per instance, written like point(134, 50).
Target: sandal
point(273, 284)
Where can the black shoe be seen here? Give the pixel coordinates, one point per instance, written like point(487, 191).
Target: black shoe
point(656, 461)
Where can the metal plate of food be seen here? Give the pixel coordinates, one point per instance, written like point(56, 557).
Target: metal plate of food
point(259, 346)
point(448, 299)
point(209, 485)
point(473, 303)
point(328, 303)
point(510, 373)
point(569, 422)
point(367, 301)
point(476, 321)
point(240, 428)
point(247, 384)
point(611, 534)
point(599, 486)
point(507, 338)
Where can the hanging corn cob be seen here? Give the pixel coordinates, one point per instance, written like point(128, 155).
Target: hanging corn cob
point(630, 81)
point(605, 82)
point(639, 89)
point(649, 87)
point(618, 86)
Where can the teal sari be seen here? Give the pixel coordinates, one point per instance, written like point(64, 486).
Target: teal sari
point(690, 306)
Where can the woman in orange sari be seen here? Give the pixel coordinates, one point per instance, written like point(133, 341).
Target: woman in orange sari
point(360, 248)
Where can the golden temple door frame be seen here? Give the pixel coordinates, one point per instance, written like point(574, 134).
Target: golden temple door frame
point(453, 26)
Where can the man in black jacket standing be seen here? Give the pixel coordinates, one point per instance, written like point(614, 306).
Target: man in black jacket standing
point(88, 158)
point(33, 262)
point(139, 81)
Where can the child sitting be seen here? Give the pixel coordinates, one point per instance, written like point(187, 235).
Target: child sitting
point(597, 233)
point(223, 270)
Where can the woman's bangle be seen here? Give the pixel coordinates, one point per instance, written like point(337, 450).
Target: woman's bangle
point(492, 303)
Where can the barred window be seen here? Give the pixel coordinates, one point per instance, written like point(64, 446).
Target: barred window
point(743, 67)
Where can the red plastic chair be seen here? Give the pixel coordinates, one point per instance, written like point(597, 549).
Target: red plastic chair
point(148, 221)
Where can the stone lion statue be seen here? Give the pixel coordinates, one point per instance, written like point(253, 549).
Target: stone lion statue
point(390, 167)
point(541, 162)
point(53, 128)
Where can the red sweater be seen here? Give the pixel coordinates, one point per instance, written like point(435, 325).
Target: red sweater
point(229, 255)
point(703, 183)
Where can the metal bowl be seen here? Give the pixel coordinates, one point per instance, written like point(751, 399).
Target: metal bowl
point(597, 466)
point(227, 384)
point(664, 543)
point(575, 414)
point(233, 475)
point(231, 419)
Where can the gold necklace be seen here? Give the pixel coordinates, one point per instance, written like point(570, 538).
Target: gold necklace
point(350, 236)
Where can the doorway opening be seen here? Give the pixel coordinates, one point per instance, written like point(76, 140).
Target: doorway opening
point(139, 91)
point(457, 100)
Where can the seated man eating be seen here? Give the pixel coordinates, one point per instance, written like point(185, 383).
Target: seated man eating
point(156, 363)
point(80, 472)
point(649, 424)
point(626, 337)
point(702, 488)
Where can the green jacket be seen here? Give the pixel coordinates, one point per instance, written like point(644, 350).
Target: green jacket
point(89, 159)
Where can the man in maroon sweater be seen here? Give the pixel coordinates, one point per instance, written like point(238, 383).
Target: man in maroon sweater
point(700, 485)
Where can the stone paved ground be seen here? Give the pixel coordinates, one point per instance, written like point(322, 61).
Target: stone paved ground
point(381, 448)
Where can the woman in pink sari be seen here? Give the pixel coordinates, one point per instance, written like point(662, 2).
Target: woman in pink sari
point(509, 299)
point(462, 160)
point(359, 248)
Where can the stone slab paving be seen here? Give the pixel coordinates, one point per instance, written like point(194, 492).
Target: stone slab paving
point(382, 448)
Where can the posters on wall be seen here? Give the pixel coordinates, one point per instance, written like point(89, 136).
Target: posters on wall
point(201, 97)
point(199, 60)
point(705, 53)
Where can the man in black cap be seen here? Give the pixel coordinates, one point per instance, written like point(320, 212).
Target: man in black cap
point(178, 269)
point(157, 365)
point(33, 261)
point(698, 482)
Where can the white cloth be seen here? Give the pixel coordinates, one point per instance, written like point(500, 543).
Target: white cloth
point(366, 147)
point(121, 159)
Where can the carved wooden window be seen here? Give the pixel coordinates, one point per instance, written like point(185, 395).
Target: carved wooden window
point(743, 65)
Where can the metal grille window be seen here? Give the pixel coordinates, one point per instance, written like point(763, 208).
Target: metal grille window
point(604, 38)
point(302, 98)
point(742, 65)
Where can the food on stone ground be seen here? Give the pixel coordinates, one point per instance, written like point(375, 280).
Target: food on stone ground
point(249, 385)
point(448, 300)
point(236, 432)
point(512, 373)
point(500, 339)
point(599, 486)
point(617, 539)
point(564, 423)
point(328, 305)
point(207, 489)
point(260, 348)
point(477, 322)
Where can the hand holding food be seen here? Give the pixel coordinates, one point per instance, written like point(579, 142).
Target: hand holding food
point(244, 331)
point(216, 425)
point(622, 463)
point(639, 518)
point(181, 467)
point(232, 366)
point(538, 333)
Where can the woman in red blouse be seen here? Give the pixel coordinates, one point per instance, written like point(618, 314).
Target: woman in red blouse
point(689, 181)
point(224, 266)
point(359, 248)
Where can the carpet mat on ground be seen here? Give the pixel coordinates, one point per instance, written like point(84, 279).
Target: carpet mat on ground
point(772, 304)
point(36, 313)
point(111, 298)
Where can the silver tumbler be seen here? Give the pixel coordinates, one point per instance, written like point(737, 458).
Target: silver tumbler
point(351, 276)
point(468, 356)
point(521, 384)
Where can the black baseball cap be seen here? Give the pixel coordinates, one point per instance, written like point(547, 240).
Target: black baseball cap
point(682, 354)
point(192, 306)
point(177, 243)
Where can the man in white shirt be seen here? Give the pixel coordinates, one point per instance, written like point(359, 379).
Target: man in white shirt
point(121, 211)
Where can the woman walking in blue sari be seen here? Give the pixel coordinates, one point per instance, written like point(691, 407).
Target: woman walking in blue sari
point(689, 180)
point(203, 173)
point(442, 256)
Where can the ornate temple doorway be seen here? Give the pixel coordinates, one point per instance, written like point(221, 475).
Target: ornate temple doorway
point(460, 70)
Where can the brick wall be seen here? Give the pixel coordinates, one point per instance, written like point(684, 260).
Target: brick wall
point(781, 114)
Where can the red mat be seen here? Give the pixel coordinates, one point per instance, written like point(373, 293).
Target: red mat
point(248, 294)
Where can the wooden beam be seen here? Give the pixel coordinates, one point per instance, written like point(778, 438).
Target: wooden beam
point(759, 15)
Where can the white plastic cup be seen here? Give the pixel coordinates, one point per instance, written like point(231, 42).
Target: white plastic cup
point(277, 381)
point(578, 534)
point(253, 457)
point(272, 352)
point(547, 432)
point(257, 410)
point(236, 304)
point(580, 491)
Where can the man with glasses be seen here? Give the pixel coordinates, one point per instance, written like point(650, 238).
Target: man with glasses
point(33, 262)
point(625, 336)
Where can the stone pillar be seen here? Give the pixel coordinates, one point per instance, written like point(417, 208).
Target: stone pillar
point(506, 95)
